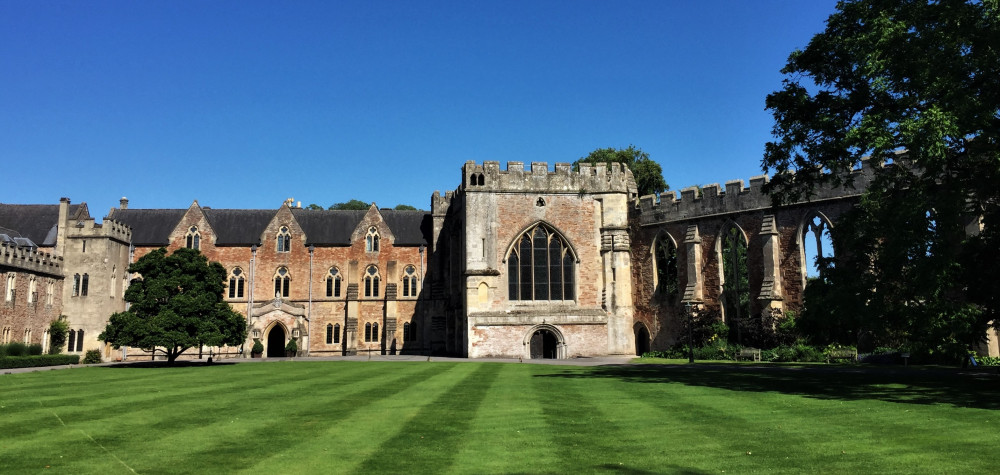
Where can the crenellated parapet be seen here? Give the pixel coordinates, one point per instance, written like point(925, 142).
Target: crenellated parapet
point(109, 229)
point(30, 259)
point(735, 197)
point(600, 178)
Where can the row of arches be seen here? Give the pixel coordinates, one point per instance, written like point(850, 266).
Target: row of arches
point(333, 282)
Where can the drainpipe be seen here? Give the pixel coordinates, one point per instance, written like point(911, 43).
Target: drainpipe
point(312, 248)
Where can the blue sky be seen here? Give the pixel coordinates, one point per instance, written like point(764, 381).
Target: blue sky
point(242, 104)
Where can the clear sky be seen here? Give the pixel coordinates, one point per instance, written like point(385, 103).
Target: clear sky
point(242, 104)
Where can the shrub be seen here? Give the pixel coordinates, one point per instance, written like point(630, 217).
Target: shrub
point(7, 362)
point(292, 347)
point(35, 349)
point(92, 357)
point(988, 360)
point(15, 348)
point(258, 347)
point(58, 330)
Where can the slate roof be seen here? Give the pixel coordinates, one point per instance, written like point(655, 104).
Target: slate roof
point(243, 227)
point(35, 222)
point(150, 227)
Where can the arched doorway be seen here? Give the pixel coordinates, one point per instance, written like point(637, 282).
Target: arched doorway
point(544, 345)
point(276, 342)
point(641, 340)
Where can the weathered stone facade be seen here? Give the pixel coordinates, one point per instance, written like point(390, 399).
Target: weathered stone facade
point(520, 262)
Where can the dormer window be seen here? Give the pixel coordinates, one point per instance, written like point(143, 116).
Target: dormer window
point(371, 240)
point(192, 240)
point(284, 240)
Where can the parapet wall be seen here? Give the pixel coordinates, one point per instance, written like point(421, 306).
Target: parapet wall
point(30, 260)
point(110, 229)
point(734, 198)
point(599, 178)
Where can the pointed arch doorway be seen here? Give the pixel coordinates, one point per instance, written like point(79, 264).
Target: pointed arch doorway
point(276, 342)
point(545, 342)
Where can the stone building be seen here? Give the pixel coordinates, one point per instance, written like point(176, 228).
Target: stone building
point(515, 262)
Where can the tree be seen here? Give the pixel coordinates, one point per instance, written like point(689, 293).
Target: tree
point(175, 304)
point(58, 329)
point(405, 207)
point(914, 88)
point(647, 173)
point(314, 206)
point(351, 205)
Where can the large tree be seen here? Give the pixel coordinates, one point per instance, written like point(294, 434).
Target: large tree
point(356, 205)
point(176, 304)
point(913, 87)
point(647, 173)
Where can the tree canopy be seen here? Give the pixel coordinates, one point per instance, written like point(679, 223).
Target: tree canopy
point(176, 304)
point(647, 173)
point(357, 205)
point(912, 87)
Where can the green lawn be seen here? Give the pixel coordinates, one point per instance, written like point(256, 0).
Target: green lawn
point(438, 417)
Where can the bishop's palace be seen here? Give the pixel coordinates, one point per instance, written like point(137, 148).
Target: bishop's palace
point(515, 262)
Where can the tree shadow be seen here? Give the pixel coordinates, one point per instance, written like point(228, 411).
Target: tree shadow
point(899, 385)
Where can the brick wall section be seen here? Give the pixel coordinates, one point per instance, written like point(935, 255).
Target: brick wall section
point(18, 314)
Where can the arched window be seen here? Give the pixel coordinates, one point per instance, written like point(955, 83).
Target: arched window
point(329, 334)
point(32, 290)
point(282, 282)
point(371, 240)
point(374, 331)
point(236, 283)
point(333, 280)
point(371, 281)
point(284, 240)
point(368, 332)
point(541, 266)
point(817, 246)
point(114, 280)
point(336, 333)
point(71, 341)
point(79, 340)
point(192, 240)
point(9, 292)
point(76, 284)
point(49, 292)
point(409, 331)
point(665, 263)
point(84, 284)
point(410, 281)
point(735, 277)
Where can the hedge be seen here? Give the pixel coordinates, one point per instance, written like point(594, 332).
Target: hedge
point(35, 361)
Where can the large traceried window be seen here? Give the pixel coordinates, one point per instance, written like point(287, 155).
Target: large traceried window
point(541, 266)
point(371, 281)
point(284, 240)
point(410, 281)
point(735, 277)
point(333, 282)
point(192, 240)
point(665, 263)
point(282, 282)
point(817, 246)
point(371, 240)
point(237, 282)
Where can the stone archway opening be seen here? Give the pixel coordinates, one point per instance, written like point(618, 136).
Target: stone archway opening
point(641, 340)
point(276, 342)
point(544, 345)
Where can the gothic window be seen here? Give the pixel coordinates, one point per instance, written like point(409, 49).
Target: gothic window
point(11, 280)
point(368, 332)
point(333, 281)
point(71, 341)
point(336, 333)
point(817, 246)
point(371, 281)
point(541, 266)
point(282, 282)
point(329, 334)
point(409, 331)
point(192, 240)
point(79, 340)
point(371, 240)
point(76, 284)
point(735, 277)
point(49, 291)
point(284, 240)
point(84, 284)
point(409, 281)
point(236, 283)
point(665, 263)
point(32, 290)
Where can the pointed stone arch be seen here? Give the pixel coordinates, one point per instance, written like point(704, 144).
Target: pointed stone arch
point(666, 277)
point(817, 223)
point(271, 338)
point(541, 265)
point(643, 338)
point(733, 248)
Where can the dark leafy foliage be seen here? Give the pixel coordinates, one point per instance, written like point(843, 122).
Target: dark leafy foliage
point(647, 173)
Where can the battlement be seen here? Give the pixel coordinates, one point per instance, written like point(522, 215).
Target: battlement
point(30, 259)
point(88, 228)
point(734, 198)
point(600, 178)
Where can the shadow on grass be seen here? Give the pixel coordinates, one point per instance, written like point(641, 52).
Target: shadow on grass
point(911, 386)
point(166, 364)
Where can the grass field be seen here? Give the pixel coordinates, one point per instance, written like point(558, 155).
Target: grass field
point(442, 417)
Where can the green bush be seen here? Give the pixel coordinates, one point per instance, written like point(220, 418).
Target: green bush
point(7, 362)
point(34, 349)
point(14, 348)
point(58, 330)
point(988, 360)
point(292, 347)
point(92, 357)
